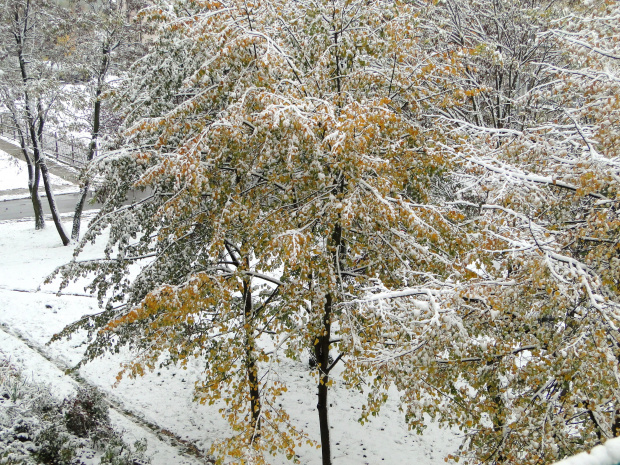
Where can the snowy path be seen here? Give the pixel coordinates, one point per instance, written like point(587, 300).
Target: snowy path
point(163, 446)
point(58, 169)
point(162, 402)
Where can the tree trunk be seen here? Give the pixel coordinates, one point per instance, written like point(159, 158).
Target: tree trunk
point(34, 173)
point(39, 160)
point(34, 177)
point(321, 348)
point(52, 203)
point(79, 207)
point(36, 132)
point(321, 352)
point(33, 186)
point(250, 361)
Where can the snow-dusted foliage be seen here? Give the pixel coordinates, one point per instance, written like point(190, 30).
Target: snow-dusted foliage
point(426, 189)
point(534, 376)
point(292, 175)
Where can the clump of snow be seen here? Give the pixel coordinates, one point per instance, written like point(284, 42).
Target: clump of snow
point(605, 454)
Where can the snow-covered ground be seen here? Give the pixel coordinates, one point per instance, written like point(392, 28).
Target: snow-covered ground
point(34, 312)
point(28, 315)
point(31, 312)
point(14, 176)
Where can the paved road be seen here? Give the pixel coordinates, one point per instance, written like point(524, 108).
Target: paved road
point(22, 208)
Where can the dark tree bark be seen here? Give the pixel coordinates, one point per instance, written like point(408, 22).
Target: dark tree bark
point(251, 366)
point(34, 175)
point(321, 352)
point(79, 207)
point(50, 199)
point(250, 359)
point(321, 349)
point(35, 123)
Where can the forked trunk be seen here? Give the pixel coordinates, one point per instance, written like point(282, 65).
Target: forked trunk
point(39, 161)
point(35, 125)
point(52, 204)
point(34, 177)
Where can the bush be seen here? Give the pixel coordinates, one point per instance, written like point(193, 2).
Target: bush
point(54, 447)
point(86, 415)
point(35, 428)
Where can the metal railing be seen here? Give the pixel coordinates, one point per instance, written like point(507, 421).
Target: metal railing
point(66, 150)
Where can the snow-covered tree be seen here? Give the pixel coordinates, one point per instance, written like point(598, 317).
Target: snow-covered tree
point(32, 48)
point(106, 43)
point(534, 375)
point(425, 192)
point(295, 198)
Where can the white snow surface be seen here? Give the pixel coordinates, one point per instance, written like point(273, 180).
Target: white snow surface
point(164, 397)
point(605, 454)
point(14, 175)
point(35, 316)
point(14, 172)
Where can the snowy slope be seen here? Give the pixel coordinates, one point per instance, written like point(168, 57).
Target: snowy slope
point(165, 397)
point(14, 175)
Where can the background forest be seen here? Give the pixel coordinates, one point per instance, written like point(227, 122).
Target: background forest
point(420, 195)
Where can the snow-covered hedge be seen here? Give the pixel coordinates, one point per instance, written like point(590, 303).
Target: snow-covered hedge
point(37, 428)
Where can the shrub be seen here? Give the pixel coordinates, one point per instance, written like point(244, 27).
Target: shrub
point(86, 415)
point(35, 428)
point(54, 447)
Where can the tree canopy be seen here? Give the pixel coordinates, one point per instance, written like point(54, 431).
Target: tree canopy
point(424, 192)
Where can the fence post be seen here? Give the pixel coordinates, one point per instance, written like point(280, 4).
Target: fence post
point(72, 153)
point(56, 139)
